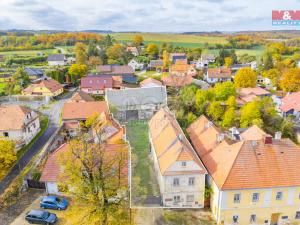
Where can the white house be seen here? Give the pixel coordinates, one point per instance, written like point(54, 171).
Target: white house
point(136, 65)
point(215, 75)
point(204, 61)
point(18, 123)
point(179, 171)
point(57, 60)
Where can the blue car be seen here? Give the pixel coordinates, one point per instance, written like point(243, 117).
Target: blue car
point(53, 202)
point(40, 217)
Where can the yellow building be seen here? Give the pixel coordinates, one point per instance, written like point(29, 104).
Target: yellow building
point(255, 178)
point(50, 88)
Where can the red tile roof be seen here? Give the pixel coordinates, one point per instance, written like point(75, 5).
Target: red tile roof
point(115, 69)
point(248, 163)
point(219, 72)
point(13, 117)
point(177, 80)
point(149, 81)
point(291, 101)
point(83, 110)
point(99, 82)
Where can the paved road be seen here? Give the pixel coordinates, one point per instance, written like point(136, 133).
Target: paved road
point(53, 114)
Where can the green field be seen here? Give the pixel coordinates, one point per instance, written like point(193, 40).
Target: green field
point(28, 52)
point(183, 40)
point(2, 87)
point(255, 52)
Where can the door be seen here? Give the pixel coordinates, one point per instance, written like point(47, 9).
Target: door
point(274, 218)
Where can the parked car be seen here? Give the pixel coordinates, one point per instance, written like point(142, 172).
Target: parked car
point(53, 202)
point(40, 217)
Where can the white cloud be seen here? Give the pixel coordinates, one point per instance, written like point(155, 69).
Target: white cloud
point(137, 15)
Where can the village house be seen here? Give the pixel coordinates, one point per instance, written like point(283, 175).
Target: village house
point(150, 82)
point(18, 123)
point(136, 103)
point(246, 95)
point(126, 72)
point(73, 113)
point(173, 57)
point(156, 65)
point(96, 85)
point(215, 75)
point(204, 61)
point(135, 65)
point(290, 104)
point(53, 170)
point(181, 67)
point(254, 177)
point(179, 171)
point(57, 60)
point(47, 87)
point(133, 50)
point(34, 73)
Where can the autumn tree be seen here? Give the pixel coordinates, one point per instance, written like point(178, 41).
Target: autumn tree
point(152, 50)
point(76, 71)
point(250, 115)
point(20, 77)
point(229, 118)
point(245, 77)
point(274, 75)
point(215, 110)
point(290, 80)
point(165, 59)
point(228, 62)
point(81, 53)
point(117, 54)
point(7, 155)
point(94, 61)
point(138, 40)
point(96, 173)
point(224, 90)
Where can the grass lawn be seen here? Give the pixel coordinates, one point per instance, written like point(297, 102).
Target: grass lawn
point(182, 40)
point(255, 52)
point(137, 134)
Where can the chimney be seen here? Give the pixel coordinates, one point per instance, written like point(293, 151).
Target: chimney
point(268, 139)
point(278, 135)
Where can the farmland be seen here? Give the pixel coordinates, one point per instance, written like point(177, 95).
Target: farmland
point(182, 40)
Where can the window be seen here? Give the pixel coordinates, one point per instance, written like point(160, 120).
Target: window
point(176, 182)
point(279, 195)
point(191, 181)
point(183, 163)
point(297, 215)
point(176, 198)
point(235, 219)
point(34, 126)
point(255, 197)
point(190, 198)
point(5, 134)
point(253, 218)
point(237, 198)
point(284, 217)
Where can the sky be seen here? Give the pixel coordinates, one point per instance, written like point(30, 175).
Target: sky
point(143, 15)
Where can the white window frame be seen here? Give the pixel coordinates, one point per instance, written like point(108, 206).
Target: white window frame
point(191, 181)
point(255, 199)
point(237, 200)
point(176, 182)
point(253, 218)
point(279, 196)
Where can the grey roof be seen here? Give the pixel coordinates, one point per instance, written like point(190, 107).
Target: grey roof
point(154, 63)
point(136, 96)
point(56, 57)
point(34, 72)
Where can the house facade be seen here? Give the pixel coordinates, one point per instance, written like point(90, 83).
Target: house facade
point(156, 65)
point(215, 75)
point(136, 103)
point(180, 173)
point(19, 124)
point(290, 105)
point(57, 60)
point(254, 177)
